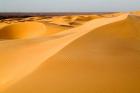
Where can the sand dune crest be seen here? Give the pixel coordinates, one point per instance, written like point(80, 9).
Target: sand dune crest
point(31, 53)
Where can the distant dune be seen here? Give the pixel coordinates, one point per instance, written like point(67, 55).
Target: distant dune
point(6, 14)
point(74, 54)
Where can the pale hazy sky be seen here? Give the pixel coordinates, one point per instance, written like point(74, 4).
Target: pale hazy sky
point(68, 5)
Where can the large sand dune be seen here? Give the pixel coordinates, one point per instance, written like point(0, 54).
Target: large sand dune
point(100, 55)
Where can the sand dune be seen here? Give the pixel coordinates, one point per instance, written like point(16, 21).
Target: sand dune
point(137, 13)
point(3, 25)
point(101, 55)
point(23, 30)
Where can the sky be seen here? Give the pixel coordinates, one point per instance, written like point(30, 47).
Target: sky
point(68, 5)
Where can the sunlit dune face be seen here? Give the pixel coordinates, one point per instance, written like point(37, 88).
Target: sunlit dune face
point(3, 25)
point(83, 54)
point(23, 30)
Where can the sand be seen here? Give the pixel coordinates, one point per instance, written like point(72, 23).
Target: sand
point(76, 54)
point(23, 30)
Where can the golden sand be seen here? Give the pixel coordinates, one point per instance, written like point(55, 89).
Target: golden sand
point(23, 30)
point(3, 25)
point(99, 55)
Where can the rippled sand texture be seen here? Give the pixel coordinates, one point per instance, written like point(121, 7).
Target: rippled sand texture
point(71, 54)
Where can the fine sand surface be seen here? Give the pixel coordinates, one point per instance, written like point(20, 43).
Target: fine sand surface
point(71, 54)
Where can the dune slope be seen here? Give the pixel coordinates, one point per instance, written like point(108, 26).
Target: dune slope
point(101, 56)
point(23, 30)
